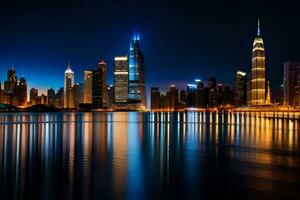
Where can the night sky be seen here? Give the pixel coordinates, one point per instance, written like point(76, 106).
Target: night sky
point(181, 40)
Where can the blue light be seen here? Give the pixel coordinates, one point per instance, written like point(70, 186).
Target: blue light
point(197, 80)
point(192, 85)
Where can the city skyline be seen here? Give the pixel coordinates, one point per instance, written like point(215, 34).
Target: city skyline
point(209, 42)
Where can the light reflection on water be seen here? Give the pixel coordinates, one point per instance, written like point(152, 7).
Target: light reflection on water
point(148, 155)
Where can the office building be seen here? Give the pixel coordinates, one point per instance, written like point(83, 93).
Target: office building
point(33, 94)
point(51, 97)
point(88, 84)
point(136, 78)
point(240, 89)
point(68, 85)
point(191, 95)
point(291, 83)
point(121, 79)
point(22, 92)
point(99, 93)
point(155, 98)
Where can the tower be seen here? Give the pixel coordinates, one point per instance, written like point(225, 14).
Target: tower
point(240, 88)
point(257, 85)
point(68, 84)
point(121, 79)
point(87, 86)
point(136, 78)
point(99, 94)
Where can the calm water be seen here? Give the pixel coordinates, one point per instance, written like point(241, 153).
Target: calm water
point(148, 155)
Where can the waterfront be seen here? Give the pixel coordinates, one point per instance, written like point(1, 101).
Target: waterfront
point(148, 155)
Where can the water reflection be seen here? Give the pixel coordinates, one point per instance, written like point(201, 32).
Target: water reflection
point(148, 155)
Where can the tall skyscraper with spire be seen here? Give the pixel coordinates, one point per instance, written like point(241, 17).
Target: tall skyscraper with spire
point(136, 77)
point(68, 85)
point(257, 81)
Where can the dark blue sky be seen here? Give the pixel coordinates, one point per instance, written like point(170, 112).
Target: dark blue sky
point(181, 40)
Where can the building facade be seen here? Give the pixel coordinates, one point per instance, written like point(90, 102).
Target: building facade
point(257, 85)
point(155, 98)
point(22, 92)
point(136, 78)
point(87, 86)
point(291, 83)
point(68, 85)
point(121, 79)
point(99, 93)
point(240, 89)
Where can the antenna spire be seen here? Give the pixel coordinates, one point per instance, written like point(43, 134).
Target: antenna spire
point(258, 28)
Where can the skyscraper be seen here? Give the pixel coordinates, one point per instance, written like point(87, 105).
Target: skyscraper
point(136, 78)
point(33, 96)
point(22, 92)
point(88, 84)
point(77, 94)
point(50, 97)
point(99, 93)
point(10, 86)
point(173, 98)
point(291, 83)
point(257, 83)
point(121, 79)
point(68, 84)
point(155, 98)
point(191, 90)
point(240, 88)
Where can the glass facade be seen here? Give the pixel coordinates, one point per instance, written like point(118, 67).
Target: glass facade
point(136, 86)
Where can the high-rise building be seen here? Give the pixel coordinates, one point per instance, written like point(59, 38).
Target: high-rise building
point(33, 94)
point(10, 86)
point(155, 98)
point(22, 92)
point(110, 95)
point(212, 83)
point(121, 79)
point(77, 94)
point(240, 89)
point(257, 83)
point(291, 83)
point(99, 93)
point(88, 84)
point(136, 78)
point(191, 95)
point(68, 84)
point(50, 97)
point(173, 97)
point(59, 98)
point(183, 97)
point(200, 100)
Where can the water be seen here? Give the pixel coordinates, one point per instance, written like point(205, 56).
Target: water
point(148, 156)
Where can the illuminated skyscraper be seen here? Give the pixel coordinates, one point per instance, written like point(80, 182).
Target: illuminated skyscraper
point(99, 92)
point(88, 83)
point(68, 85)
point(121, 79)
point(136, 90)
point(257, 85)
